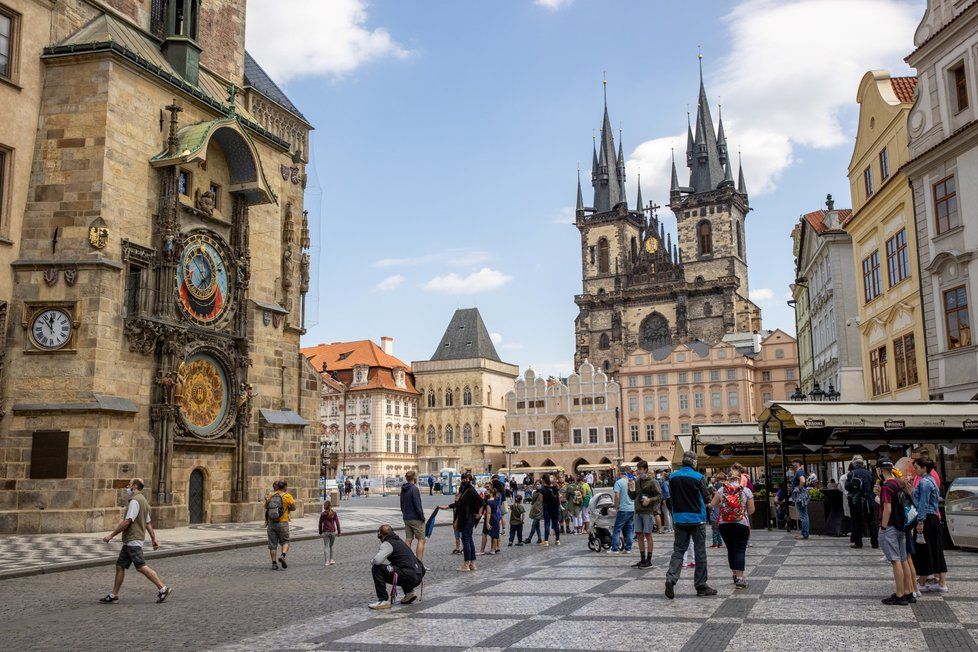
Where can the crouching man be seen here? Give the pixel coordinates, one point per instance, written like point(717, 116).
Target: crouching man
point(395, 564)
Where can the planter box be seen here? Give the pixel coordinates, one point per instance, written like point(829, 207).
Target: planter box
point(816, 516)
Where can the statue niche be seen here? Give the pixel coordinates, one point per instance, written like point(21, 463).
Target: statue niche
point(654, 332)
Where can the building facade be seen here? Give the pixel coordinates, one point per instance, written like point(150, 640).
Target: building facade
point(462, 418)
point(371, 408)
point(884, 241)
point(669, 391)
point(150, 337)
point(943, 171)
point(823, 271)
point(640, 291)
point(564, 423)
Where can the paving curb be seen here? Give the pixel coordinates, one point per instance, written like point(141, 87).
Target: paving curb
point(179, 552)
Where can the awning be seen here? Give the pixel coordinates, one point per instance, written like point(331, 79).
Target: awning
point(533, 469)
point(595, 467)
point(885, 415)
point(282, 418)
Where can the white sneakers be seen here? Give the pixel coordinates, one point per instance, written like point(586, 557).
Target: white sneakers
point(380, 604)
point(409, 598)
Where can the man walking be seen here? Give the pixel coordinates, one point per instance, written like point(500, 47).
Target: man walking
point(396, 565)
point(278, 504)
point(799, 492)
point(647, 496)
point(862, 504)
point(624, 519)
point(689, 497)
point(412, 512)
point(431, 485)
point(893, 538)
point(133, 527)
point(666, 501)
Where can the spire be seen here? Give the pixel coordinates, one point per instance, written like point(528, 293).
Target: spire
point(689, 141)
point(607, 186)
point(706, 171)
point(639, 206)
point(674, 185)
point(727, 176)
point(721, 137)
point(594, 161)
point(741, 184)
point(580, 195)
point(621, 169)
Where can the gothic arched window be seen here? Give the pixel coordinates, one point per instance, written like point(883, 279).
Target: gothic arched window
point(449, 399)
point(449, 435)
point(431, 435)
point(740, 240)
point(654, 332)
point(431, 398)
point(467, 396)
point(704, 236)
point(467, 434)
point(603, 342)
point(604, 255)
point(634, 248)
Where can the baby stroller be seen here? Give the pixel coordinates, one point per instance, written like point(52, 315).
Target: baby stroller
point(603, 515)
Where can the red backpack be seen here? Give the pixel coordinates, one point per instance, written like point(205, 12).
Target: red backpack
point(732, 504)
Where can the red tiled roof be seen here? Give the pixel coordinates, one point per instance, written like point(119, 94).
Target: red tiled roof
point(342, 357)
point(904, 87)
point(817, 219)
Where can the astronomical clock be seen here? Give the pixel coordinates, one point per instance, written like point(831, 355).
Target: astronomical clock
point(202, 279)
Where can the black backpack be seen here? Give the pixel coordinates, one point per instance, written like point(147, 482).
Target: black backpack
point(275, 508)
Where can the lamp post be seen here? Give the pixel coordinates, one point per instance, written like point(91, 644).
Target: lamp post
point(509, 452)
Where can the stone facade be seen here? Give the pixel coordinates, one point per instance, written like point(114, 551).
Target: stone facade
point(943, 171)
point(670, 391)
point(369, 395)
point(640, 291)
point(462, 417)
point(563, 423)
point(180, 359)
point(823, 271)
point(885, 242)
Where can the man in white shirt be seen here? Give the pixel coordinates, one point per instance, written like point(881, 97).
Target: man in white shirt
point(134, 526)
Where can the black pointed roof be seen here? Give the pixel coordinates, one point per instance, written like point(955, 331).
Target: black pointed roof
point(607, 185)
point(258, 79)
point(466, 337)
point(706, 171)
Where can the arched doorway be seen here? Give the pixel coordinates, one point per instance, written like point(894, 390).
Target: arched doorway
point(195, 497)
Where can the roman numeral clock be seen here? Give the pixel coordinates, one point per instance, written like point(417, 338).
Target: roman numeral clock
point(51, 327)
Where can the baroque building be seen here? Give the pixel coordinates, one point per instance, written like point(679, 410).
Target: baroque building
point(642, 291)
point(570, 423)
point(149, 335)
point(884, 242)
point(463, 386)
point(370, 407)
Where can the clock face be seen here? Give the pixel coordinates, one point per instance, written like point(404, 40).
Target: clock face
point(205, 394)
point(651, 244)
point(51, 329)
point(202, 280)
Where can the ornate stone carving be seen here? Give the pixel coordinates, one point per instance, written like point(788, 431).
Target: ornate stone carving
point(654, 332)
point(304, 273)
point(288, 250)
point(51, 275)
point(133, 252)
point(142, 335)
point(205, 203)
point(98, 234)
point(71, 275)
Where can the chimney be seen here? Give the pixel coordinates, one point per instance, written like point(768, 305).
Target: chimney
point(387, 344)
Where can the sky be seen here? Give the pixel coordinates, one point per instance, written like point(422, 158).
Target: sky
point(448, 135)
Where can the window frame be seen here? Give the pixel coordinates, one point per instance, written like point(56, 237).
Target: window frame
point(871, 276)
point(884, 158)
point(633, 432)
point(704, 239)
point(868, 181)
point(12, 73)
point(961, 291)
point(905, 361)
point(949, 200)
point(959, 86)
point(897, 258)
point(879, 381)
point(189, 186)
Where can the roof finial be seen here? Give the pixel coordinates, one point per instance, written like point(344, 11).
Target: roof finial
point(829, 202)
point(604, 82)
point(699, 55)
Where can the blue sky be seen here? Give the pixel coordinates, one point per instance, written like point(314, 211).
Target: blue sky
point(448, 135)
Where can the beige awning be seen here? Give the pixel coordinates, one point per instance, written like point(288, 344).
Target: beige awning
point(732, 433)
point(533, 469)
point(595, 467)
point(746, 437)
point(884, 415)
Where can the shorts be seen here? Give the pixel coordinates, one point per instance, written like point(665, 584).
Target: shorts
point(278, 534)
point(644, 522)
point(130, 555)
point(414, 530)
point(893, 544)
point(586, 514)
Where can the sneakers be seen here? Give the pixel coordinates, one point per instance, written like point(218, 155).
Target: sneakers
point(518, 544)
point(332, 562)
point(409, 598)
point(740, 583)
point(509, 545)
point(108, 599)
point(639, 563)
point(895, 600)
point(670, 590)
point(558, 542)
point(543, 543)
point(939, 589)
point(380, 604)
point(705, 590)
point(612, 551)
point(281, 560)
point(645, 563)
point(274, 565)
point(911, 599)
point(163, 594)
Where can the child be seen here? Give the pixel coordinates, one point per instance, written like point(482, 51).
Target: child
point(329, 529)
point(457, 550)
point(516, 520)
point(536, 513)
point(715, 521)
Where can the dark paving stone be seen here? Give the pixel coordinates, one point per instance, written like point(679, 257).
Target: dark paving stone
point(933, 611)
point(567, 607)
point(513, 634)
point(734, 609)
point(942, 640)
point(607, 586)
point(711, 637)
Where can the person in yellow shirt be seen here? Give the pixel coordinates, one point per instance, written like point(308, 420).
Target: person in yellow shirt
point(278, 504)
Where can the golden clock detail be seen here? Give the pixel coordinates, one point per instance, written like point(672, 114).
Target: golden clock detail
point(651, 244)
point(205, 395)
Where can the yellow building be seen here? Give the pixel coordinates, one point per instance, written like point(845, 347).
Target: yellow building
point(884, 242)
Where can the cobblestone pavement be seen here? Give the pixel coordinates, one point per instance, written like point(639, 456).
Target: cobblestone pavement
point(26, 553)
point(819, 594)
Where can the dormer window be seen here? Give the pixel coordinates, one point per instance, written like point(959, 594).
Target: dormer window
point(360, 374)
point(399, 377)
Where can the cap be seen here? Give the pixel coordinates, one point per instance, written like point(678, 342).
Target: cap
point(884, 463)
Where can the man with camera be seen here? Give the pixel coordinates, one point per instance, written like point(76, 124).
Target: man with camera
point(396, 565)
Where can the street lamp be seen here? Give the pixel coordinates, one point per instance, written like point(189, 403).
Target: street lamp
point(817, 394)
point(509, 452)
point(798, 395)
point(832, 394)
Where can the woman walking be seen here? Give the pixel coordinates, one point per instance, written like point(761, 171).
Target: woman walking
point(468, 507)
point(536, 513)
point(329, 529)
point(735, 504)
point(575, 504)
point(929, 556)
point(491, 524)
point(551, 510)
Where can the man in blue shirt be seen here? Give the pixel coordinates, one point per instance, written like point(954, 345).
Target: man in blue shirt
point(689, 498)
point(799, 492)
point(624, 520)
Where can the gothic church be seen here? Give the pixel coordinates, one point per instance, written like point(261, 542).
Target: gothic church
point(641, 290)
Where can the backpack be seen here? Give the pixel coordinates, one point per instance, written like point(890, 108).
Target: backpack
point(900, 511)
point(732, 509)
point(274, 508)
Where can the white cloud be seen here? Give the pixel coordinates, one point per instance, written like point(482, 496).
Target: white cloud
point(390, 283)
point(552, 5)
point(566, 215)
point(762, 294)
point(794, 65)
point(460, 257)
point(496, 338)
point(484, 280)
point(305, 38)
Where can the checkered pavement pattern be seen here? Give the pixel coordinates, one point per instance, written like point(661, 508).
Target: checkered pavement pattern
point(817, 593)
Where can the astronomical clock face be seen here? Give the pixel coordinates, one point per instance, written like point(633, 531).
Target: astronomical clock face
point(202, 280)
point(206, 395)
point(651, 244)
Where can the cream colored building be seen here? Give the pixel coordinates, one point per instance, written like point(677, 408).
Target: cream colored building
point(672, 389)
point(372, 399)
point(564, 423)
point(884, 241)
point(462, 418)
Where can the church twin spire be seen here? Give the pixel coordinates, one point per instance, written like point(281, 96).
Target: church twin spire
point(608, 168)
